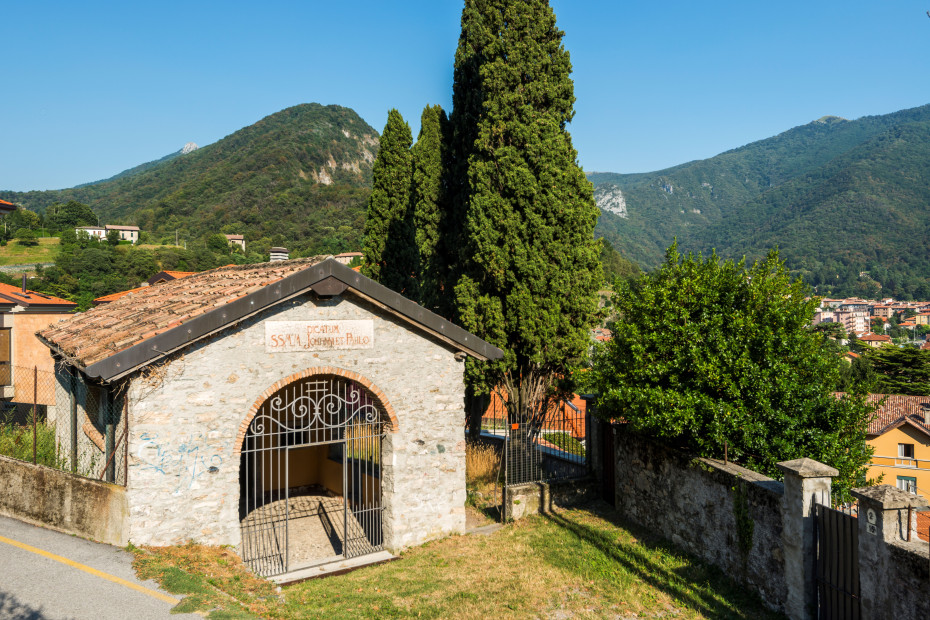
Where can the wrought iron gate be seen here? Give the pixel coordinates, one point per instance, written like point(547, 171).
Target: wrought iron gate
point(309, 437)
point(837, 563)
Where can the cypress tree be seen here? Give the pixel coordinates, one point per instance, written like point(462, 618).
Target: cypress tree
point(530, 269)
point(430, 208)
point(389, 247)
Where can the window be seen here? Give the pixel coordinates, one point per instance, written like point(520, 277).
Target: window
point(6, 357)
point(905, 450)
point(907, 484)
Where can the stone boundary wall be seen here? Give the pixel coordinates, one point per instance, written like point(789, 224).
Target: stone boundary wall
point(544, 497)
point(64, 502)
point(695, 503)
point(910, 579)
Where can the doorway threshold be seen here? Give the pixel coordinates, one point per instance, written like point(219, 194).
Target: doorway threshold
point(330, 567)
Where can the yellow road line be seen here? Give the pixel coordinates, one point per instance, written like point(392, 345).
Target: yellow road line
point(92, 571)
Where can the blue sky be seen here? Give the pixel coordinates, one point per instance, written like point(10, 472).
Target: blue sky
point(92, 88)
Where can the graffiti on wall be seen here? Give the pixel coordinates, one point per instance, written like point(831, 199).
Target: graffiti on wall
point(188, 460)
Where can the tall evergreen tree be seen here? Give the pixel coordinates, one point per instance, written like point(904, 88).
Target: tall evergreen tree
point(530, 269)
point(389, 247)
point(430, 208)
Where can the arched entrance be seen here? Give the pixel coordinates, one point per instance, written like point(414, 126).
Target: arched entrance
point(310, 475)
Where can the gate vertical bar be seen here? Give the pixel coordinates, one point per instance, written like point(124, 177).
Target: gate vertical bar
point(345, 489)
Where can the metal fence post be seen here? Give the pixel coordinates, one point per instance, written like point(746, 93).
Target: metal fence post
point(110, 434)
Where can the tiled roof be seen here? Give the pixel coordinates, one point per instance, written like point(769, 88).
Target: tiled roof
point(8, 206)
point(896, 408)
point(14, 295)
point(100, 332)
point(115, 339)
point(875, 338)
point(235, 237)
point(120, 227)
point(114, 296)
point(167, 276)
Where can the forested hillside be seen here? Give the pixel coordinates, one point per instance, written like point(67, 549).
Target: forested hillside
point(847, 202)
point(298, 178)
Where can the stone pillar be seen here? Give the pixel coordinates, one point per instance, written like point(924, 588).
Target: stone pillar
point(883, 519)
point(807, 482)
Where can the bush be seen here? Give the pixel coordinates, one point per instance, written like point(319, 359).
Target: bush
point(24, 236)
point(711, 354)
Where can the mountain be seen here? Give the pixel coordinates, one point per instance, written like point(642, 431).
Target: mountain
point(846, 202)
point(187, 148)
point(298, 178)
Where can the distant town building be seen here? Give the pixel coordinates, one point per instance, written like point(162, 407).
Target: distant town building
point(94, 232)
point(278, 254)
point(875, 340)
point(854, 321)
point(238, 240)
point(126, 233)
point(347, 257)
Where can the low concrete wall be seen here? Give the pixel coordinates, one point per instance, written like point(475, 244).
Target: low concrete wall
point(63, 501)
point(705, 507)
point(542, 497)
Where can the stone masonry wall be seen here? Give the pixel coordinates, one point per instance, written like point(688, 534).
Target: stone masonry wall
point(691, 502)
point(186, 415)
point(909, 578)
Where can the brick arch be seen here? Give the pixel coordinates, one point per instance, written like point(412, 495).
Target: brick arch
point(391, 422)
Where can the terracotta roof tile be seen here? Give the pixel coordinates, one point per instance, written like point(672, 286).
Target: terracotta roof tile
point(105, 299)
point(31, 298)
point(140, 314)
point(894, 408)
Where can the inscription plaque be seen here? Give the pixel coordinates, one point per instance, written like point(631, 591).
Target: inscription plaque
point(288, 336)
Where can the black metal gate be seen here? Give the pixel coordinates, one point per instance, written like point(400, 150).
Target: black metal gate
point(310, 477)
point(837, 567)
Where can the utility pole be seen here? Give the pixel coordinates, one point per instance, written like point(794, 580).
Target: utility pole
point(175, 236)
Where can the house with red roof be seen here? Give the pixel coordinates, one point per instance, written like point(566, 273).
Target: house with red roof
point(22, 314)
point(6, 207)
point(900, 435)
point(875, 340)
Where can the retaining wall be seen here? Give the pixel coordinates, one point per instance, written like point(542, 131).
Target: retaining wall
point(698, 504)
point(64, 502)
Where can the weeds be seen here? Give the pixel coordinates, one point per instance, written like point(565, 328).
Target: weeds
point(16, 442)
point(481, 463)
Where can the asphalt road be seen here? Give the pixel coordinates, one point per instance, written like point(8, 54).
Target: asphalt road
point(88, 581)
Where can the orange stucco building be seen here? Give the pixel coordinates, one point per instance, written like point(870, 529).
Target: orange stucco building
point(900, 434)
point(22, 356)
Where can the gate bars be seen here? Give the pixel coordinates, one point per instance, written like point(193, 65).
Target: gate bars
point(342, 421)
point(837, 564)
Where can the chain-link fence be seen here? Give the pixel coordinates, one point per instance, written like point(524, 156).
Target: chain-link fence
point(62, 421)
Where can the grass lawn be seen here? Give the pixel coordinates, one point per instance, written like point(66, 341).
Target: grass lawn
point(565, 442)
point(14, 254)
point(577, 563)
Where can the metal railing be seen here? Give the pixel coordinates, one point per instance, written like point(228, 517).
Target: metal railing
point(899, 462)
point(539, 446)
